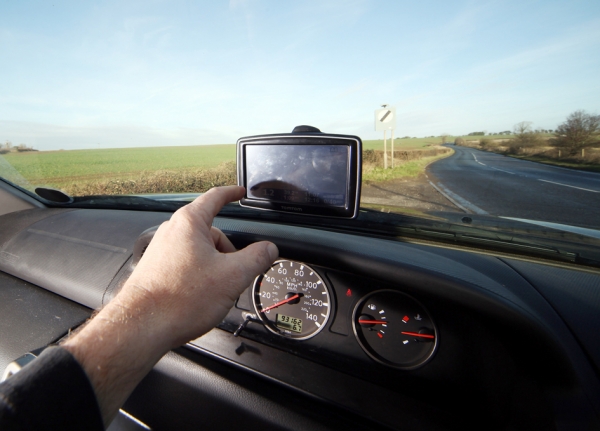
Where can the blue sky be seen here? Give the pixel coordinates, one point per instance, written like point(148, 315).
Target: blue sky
point(139, 73)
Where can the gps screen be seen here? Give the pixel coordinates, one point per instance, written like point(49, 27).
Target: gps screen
point(298, 174)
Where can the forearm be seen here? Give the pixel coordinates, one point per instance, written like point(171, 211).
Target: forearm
point(175, 294)
point(117, 348)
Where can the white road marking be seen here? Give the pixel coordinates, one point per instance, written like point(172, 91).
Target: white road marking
point(566, 185)
point(475, 157)
point(483, 164)
point(501, 170)
point(461, 203)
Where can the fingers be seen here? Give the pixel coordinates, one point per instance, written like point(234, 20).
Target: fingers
point(210, 203)
point(255, 259)
point(221, 241)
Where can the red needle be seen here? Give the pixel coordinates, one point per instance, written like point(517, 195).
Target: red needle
point(374, 322)
point(285, 301)
point(416, 334)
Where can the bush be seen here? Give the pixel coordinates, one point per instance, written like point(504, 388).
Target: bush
point(525, 137)
point(486, 143)
point(196, 181)
point(373, 159)
point(578, 131)
point(459, 141)
point(372, 156)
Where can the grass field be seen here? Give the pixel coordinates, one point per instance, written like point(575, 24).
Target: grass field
point(158, 169)
point(412, 168)
point(402, 144)
point(60, 167)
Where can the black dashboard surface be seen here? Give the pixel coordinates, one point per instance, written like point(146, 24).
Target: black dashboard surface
point(517, 345)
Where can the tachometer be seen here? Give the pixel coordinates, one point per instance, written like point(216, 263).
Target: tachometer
point(292, 300)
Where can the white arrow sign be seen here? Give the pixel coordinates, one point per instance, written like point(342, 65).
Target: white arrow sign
point(385, 119)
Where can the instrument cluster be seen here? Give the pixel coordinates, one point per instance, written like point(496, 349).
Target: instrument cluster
point(292, 300)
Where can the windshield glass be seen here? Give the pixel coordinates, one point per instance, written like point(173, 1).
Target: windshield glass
point(464, 108)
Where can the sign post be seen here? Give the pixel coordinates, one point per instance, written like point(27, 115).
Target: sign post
point(385, 149)
point(385, 119)
point(392, 148)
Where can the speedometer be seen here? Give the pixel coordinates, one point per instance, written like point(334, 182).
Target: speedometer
point(292, 300)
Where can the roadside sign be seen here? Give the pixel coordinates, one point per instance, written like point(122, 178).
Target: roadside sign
point(385, 119)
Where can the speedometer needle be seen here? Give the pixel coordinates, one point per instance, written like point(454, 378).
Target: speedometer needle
point(416, 334)
point(373, 322)
point(285, 301)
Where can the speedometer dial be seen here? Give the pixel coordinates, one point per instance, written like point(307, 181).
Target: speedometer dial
point(292, 300)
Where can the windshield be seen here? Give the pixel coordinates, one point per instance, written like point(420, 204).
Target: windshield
point(467, 110)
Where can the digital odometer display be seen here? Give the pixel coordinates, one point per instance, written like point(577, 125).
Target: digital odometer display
point(298, 174)
point(292, 300)
point(287, 322)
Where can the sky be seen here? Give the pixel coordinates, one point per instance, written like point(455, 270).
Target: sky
point(105, 74)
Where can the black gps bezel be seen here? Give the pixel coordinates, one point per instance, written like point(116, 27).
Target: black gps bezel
point(353, 176)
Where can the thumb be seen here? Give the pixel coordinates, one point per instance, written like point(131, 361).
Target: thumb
point(255, 259)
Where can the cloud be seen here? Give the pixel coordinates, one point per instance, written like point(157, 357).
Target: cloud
point(560, 49)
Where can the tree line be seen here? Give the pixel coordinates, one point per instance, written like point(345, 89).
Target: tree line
point(8, 147)
point(580, 130)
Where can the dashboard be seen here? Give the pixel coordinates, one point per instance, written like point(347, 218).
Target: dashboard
point(359, 332)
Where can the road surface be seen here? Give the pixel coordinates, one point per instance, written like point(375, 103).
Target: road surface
point(489, 183)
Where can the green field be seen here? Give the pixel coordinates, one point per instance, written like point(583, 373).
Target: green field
point(58, 167)
point(402, 144)
point(154, 169)
point(62, 167)
point(412, 168)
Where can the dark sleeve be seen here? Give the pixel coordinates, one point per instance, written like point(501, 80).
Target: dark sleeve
point(51, 392)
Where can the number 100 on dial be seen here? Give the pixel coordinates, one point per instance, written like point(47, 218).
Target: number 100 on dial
point(292, 300)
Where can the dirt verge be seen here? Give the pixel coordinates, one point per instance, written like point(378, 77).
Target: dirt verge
point(414, 193)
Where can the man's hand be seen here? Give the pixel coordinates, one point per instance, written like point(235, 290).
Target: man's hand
point(191, 273)
point(187, 280)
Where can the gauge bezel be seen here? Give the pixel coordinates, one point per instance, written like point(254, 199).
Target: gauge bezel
point(367, 348)
point(270, 326)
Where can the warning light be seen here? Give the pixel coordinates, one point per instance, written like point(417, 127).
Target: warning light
point(405, 319)
point(348, 292)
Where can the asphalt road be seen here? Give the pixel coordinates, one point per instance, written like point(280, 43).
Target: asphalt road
point(489, 183)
